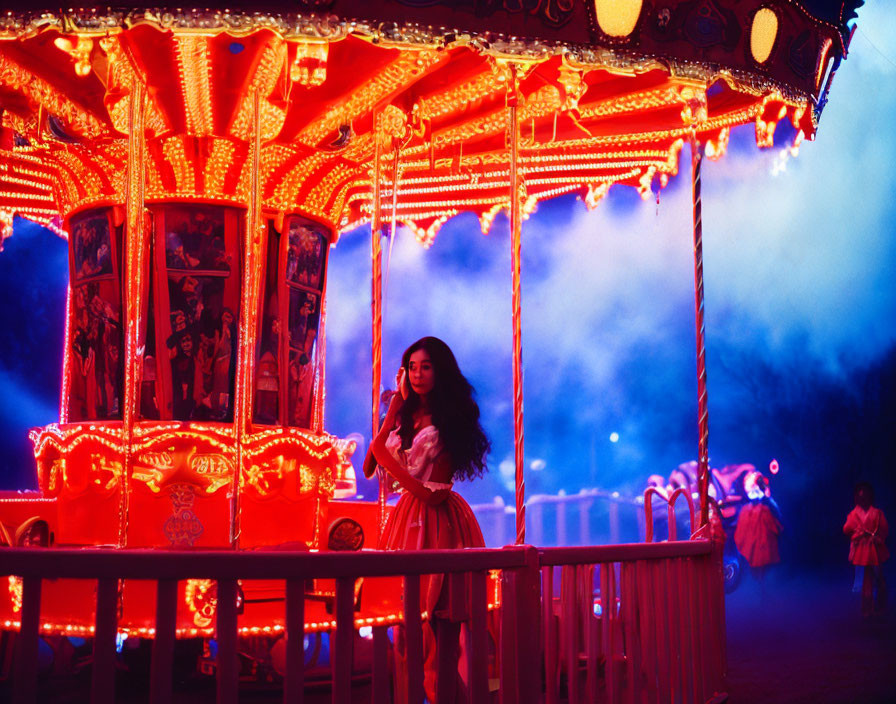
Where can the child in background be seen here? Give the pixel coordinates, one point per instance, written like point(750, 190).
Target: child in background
point(758, 526)
point(867, 529)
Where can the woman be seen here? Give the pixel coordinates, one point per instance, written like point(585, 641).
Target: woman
point(430, 436)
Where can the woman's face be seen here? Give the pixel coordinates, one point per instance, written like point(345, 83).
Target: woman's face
point(421, 374)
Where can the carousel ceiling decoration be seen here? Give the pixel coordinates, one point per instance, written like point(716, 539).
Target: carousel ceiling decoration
point(607, 93)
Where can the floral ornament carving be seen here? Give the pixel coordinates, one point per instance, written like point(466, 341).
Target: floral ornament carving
point(393, 128)
point(39, 91)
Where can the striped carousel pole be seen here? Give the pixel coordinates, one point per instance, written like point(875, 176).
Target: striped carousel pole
point(135, 292)
point(702, 405)
point(242, 404)
point(376, 316)
point(515, 254)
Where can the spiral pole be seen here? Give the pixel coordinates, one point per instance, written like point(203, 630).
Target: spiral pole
point(376, 315)
point(134, 292)
point(242, 413)
point(320, 374)
point(515, 255)
point(702, 404)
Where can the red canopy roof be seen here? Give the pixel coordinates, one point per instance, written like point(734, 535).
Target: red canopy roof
point(603, 99)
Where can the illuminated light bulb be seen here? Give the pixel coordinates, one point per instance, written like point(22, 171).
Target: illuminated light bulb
point(6, 221)
point(765, 132)
point(79, 51)
point(763, 33)
point(310, 65)
point(596, 194)
point(617, 18)
point(645, 182)
point(717, 148)
point(797, 141)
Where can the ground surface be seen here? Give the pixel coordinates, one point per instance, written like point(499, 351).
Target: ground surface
point(802, 640)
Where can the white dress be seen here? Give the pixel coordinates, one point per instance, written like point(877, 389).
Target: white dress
point(419, 459)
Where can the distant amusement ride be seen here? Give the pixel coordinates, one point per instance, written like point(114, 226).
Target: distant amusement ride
point(200, 163)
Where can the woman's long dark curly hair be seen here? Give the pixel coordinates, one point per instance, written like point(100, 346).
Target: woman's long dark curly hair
point(452, 407)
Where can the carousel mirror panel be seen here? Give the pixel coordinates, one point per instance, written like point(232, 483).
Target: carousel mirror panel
point(286, 364)
point(95, 360)
point(191, 352)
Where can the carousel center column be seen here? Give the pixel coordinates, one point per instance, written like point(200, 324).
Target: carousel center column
point(248, 315)
point(136, 293)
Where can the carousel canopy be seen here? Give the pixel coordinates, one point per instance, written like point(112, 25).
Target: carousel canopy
point(606, 93)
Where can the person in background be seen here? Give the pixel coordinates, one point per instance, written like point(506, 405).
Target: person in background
point(866, 526)
point(758, 527)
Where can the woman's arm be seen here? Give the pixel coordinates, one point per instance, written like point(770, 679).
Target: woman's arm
point(381, 455)
point(369, 466)
point(882, 528)
point(388, 425)
point(412, 485)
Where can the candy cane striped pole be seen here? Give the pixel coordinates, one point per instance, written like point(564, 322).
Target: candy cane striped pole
point(702, 406)
point(135, 292)
point(376, 310)
point(515, 249)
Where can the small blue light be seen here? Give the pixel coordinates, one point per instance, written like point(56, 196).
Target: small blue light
point(236, 47)
point(120, 638)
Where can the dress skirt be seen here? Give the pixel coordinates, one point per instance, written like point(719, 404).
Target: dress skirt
point(416, 525)
point(756, 535)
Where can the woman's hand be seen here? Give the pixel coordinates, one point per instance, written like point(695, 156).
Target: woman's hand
point(395, 404)
point(401, 383)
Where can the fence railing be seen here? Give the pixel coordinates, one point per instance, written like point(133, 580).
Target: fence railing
point(587, 517)
point(620, 623)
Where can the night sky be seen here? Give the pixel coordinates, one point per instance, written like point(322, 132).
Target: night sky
point(800, 263)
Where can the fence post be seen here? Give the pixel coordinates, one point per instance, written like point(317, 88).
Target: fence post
point(160, 680)
point(341, 656)
point(500, 519)
point(614, 522)
point(537, 520)
point(380, 675)
point(584, 528)
point(413, 639)
point(477, 652)
point(228, 674)
point(102, 688)
point(717, 606)
point(520, 669)
point(25, 681)
point(561, 519)
point(549, 631)
point(294, 682)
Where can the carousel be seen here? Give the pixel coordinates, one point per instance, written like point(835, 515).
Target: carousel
point(200, 164)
